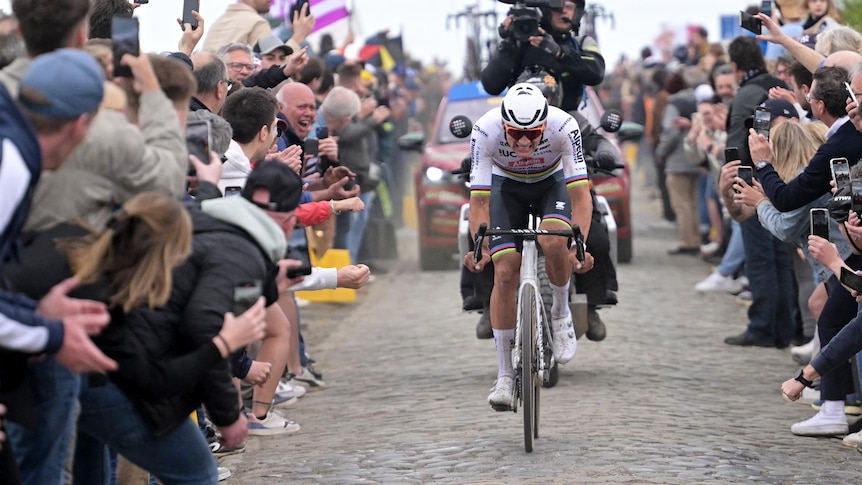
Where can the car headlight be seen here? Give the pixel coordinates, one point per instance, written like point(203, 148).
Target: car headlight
point(434, 174)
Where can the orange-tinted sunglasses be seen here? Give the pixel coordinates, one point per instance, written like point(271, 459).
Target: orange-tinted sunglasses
point(532, 134)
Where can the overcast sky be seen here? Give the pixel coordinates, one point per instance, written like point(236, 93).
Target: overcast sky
point(424, 22)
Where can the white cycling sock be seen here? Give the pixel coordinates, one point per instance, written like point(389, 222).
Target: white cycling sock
point(503, 340)
point(560, 305)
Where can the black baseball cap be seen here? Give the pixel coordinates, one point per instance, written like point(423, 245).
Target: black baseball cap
point(284, 186)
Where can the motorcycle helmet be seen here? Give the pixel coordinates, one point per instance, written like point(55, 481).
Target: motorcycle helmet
point(546, 82)
point(524, 107)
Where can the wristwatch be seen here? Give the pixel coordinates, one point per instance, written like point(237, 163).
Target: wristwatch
point(802, 380)
point(761, 164)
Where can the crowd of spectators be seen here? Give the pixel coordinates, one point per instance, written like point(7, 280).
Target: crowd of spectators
point(155, 284)
point(698, 103)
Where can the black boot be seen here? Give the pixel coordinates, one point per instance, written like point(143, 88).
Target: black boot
point(595, 326)
point(483, 328)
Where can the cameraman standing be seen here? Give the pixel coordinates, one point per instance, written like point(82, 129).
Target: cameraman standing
point(574, 60)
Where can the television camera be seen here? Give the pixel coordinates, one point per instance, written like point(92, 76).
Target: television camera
point(526, 17)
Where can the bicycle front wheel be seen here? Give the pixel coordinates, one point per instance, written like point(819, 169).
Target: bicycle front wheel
point(528, 317)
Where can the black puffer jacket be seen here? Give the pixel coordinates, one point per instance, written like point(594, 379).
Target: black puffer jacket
point(222, 256)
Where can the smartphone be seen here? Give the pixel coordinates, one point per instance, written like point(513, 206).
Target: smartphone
point(322, 132)
point(245, 295)
point(232, 191)
point(311, 147)
point(188, 6)
point(856, 196)
point(750, 22)
point(766, 7)
point(840, 172)
point(731, 154)
point(124, 40)
point(850, 92)
point(297, 7)
point(820, 222)
point(198, 141)
point(850, 279)
point(762, 121)
point(745, 173)
point(297, 272)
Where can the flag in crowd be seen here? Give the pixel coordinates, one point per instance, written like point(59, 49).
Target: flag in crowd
point(326, 12)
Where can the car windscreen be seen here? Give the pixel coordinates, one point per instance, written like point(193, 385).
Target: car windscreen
point(471, 108)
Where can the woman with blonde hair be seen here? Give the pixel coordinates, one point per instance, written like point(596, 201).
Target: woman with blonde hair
point(822, 16)
point(132, 266)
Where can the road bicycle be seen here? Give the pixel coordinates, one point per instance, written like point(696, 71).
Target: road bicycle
point(532, 357)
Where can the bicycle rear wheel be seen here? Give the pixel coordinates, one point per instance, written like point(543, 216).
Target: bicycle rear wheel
point(527, 315)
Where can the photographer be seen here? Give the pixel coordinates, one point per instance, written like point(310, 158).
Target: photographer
point(574, 60)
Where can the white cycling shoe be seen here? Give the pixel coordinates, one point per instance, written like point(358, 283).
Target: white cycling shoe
point(503, 394)
point(565, 344)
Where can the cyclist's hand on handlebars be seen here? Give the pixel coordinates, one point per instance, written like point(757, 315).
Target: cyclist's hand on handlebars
point(477, 267)
point(579, 268)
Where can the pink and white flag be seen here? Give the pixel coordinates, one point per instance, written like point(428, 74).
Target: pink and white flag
point(327, 12)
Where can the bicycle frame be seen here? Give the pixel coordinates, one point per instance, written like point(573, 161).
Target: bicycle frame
point(531, 360)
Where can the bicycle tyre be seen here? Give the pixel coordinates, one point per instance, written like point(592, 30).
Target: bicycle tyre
point(527, 315)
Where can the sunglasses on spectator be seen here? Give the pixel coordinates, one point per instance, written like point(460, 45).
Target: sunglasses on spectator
point(239, 66)
point(532, 134)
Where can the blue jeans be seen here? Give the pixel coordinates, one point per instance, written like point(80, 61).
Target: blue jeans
point(41, 452)
point(179, 457)
point(734, 255)
point(768, 267)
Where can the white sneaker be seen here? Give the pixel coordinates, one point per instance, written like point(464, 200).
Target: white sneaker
point(821, 425)
point(502, 394)
point(710, 247)
point(285, 387)
point(223, 473)
point(853, 440)
point(716, 282)
point(565, 344)
point(273, 424)
point(802, 353)
point(307, 380)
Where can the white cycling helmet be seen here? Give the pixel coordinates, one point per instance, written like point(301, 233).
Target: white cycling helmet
point(524, 107)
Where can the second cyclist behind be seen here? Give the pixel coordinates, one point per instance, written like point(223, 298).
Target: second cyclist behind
point(527, 156)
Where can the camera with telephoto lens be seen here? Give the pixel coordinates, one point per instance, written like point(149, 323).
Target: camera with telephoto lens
point(526, 17)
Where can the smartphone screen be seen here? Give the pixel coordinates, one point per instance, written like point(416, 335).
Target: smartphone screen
point(745, 173)
point(232, 191)
point(856, 196)
point(188, 6)
point(851, 279)
point(245, 295)
point(762, 121)
point(840, 172)
point(731, 154)
point(198, 139)
point(311, 147)
point(820, 223)
point(124, 40)
point(766, 7)
point(750, 22)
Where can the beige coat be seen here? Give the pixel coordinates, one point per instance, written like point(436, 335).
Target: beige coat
point(116, 161)
point(239, 23)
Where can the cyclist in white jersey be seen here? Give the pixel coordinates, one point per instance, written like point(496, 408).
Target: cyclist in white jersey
point(527, 157)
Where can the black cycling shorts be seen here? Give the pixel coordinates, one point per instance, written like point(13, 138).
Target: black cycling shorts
point(512, 202)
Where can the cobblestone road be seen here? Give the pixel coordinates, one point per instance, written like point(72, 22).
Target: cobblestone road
point(662, 400)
